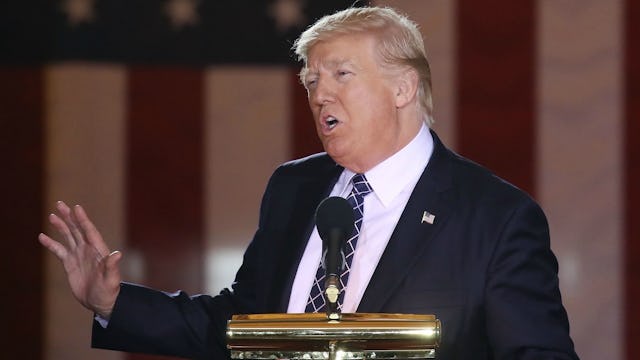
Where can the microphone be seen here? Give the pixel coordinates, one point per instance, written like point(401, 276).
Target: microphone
point(334, 220)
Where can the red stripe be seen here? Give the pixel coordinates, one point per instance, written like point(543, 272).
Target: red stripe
point(632, 180)
point(304, 139)
point(21, 148)
point(165, 177)
point(496, 87)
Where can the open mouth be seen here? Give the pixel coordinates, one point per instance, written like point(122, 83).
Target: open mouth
point(331, 122)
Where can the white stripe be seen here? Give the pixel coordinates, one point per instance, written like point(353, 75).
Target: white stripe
point(247, 136)
point(85, 164)
point(580, 163)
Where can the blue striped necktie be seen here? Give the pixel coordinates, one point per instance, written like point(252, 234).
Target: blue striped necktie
point(316, 301)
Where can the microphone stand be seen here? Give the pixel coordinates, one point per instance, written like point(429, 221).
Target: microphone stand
point(334, 266)
point(331, 292)
point(335, 222)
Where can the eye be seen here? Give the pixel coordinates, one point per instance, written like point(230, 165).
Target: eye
point(310, 80)
point(310, 83)
point(309, 77)
point(343, 75)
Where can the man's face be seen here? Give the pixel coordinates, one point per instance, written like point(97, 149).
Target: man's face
point(353, 101)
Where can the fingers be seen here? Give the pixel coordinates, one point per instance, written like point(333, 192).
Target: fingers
point(70, 221)
point(61, 226)
point(55, 247)
point(75, 226)
point(78, 230)
point(92, 235)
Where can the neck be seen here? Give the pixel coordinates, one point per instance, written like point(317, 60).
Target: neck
point(404, 138)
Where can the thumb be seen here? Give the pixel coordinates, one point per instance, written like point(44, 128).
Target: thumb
point(112, 261)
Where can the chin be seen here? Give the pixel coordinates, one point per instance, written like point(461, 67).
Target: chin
point(333, 149)
point(338, 150)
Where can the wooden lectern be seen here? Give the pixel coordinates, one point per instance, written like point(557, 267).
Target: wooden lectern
point(327, 336)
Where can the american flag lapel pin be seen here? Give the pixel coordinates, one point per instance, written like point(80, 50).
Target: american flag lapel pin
point(428, 217)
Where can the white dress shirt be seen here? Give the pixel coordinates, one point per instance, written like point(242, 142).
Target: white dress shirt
point(392, 182)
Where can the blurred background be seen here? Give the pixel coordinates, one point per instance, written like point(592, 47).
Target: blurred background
point(165, 118)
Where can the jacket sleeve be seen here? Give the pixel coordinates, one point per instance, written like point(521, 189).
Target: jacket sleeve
point(523, 308)
point(148, 321)
point(154, 322)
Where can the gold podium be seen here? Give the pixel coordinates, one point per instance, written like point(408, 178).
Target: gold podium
point(350, 337)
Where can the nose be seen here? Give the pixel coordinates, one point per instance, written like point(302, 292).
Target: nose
point(322, 93)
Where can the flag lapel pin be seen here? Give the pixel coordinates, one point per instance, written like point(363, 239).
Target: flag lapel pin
point(428, 217)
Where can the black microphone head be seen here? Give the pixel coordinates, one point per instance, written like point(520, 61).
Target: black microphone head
point(334, 220)
point(334, 215)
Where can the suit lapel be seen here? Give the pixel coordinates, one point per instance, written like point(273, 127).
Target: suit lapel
point(412, 234)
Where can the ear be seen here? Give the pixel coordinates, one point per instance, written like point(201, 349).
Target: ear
point(406, 88)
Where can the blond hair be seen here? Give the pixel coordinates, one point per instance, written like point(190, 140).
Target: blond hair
point(400, 43)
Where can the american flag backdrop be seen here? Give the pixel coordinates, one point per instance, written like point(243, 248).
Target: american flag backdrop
point(165, 118)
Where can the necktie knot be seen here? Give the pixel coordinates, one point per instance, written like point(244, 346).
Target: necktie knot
point(361, 186)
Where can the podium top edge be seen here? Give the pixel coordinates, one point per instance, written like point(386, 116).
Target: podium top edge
point(275, 317)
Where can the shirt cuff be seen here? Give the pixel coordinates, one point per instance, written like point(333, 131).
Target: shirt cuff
point(102, 321)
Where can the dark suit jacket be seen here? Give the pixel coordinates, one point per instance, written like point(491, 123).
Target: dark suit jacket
point(484, 268)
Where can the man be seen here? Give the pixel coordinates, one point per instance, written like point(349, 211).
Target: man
point(436, 233)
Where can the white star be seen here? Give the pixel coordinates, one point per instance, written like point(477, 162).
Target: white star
point(287, 14)
point(79, 11)
point(182, 13)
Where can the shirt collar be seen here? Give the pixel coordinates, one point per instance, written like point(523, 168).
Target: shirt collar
point(394, 174)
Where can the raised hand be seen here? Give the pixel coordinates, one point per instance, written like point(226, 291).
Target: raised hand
point(92, 269)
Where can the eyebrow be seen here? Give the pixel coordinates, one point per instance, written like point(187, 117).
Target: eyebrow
point(332, 64)
point(340, 62)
